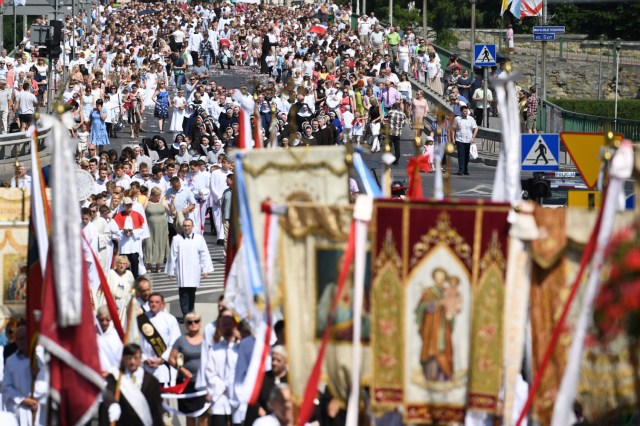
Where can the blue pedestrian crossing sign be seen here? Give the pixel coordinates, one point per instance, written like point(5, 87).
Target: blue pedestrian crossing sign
point(540, 152)
point(485, 55)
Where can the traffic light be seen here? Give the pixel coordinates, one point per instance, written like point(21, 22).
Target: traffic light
point(536, 188)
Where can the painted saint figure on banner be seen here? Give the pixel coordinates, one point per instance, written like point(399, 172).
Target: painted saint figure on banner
point(435, 316)
point(329, 262)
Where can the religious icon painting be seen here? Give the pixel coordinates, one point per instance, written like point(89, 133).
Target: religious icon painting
point(328, 264)
point(439, 350)
point(14, 267)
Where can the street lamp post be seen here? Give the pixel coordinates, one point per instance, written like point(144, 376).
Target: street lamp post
point(600, 69)
point(473, 31)
point(615, 111)
point(424, 19)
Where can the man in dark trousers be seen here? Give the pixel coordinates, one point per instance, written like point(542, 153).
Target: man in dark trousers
point(140, 403)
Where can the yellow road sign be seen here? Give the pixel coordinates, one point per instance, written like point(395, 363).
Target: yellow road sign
point(584, 149)
point(590, 199)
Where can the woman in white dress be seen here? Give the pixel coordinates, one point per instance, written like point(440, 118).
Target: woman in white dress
point(151, 84)
point(179, 112)
point(88, 104)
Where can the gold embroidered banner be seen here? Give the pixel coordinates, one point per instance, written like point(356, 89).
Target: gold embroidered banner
point(313, 175)
point(310, 257)
point(14, 204)
point(13, 270)
point(438, 348)
point(606, 380)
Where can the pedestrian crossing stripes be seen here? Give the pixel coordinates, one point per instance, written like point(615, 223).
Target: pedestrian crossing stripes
point(214, 281)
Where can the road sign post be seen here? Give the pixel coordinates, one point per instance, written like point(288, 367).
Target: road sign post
point(584, 150)
point(540, 152)
point(544, 37)
point(485, 55)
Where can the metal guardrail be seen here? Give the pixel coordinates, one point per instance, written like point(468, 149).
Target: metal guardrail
point(553, 119)
point(18, 145)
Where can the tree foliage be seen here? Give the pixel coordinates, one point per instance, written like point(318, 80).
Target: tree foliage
point(611, 19)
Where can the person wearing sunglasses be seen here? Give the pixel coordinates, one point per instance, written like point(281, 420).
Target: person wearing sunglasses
point(189, 345)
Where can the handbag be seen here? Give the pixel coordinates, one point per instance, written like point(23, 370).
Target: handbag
point(473, 151)
point(375, 129)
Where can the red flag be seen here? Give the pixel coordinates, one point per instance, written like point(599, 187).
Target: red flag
point(257, 134)
point(74, 368)
point(39, 226)
point(67, 326)
point(415, 181)
point(243, 135)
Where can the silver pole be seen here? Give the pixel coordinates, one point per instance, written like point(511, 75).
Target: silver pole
point(600, 69)
point(473, 32)
point(615, 112)
point(390, 12)
point(357, 10)
point(424, 19)
point(535, 73)
point(15, 29)
point(364, 7)
point(485, 87)
point(544, 54)
point(2, 9)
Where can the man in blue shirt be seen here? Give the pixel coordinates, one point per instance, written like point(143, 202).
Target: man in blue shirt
point(457, 100)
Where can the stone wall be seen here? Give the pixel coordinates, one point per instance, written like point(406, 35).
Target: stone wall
point(578, 79)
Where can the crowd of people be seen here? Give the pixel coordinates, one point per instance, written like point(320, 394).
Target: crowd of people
point(318, 81)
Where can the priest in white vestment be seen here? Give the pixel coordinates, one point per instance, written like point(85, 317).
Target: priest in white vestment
point(109, 343)
point(16, 393)
point(218, 186)
point(198, 183)
point(189, 260)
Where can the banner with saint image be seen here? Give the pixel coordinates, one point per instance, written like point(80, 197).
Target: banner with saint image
point(437, 349)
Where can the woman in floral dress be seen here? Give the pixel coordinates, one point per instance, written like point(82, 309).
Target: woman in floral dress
point(162, 101)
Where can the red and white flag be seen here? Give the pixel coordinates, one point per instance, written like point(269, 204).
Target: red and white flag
point(67, 326)
point(247, 105)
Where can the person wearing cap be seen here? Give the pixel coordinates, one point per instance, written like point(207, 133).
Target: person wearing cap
point(131, 232)
point(6, 104)
point(465, 129)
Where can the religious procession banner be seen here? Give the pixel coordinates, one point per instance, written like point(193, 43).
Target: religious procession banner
point(313, 240)
point(437, 300)
point(607, 375)
point(14, 239)
point(15, 204)
point(317, 175)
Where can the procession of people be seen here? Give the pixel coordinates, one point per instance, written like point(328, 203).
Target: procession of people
point(316, 81)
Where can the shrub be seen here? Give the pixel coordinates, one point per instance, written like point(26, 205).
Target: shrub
point(628, 109)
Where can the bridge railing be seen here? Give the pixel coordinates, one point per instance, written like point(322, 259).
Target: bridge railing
point(553, 119)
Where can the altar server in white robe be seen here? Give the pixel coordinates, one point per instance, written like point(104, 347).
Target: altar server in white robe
point(189, 260)
point(17, 384)
point(198, 183)
point(89, 245)
point(109, 343)
point(218, 186)
point(168, 328)
point(105, 239)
